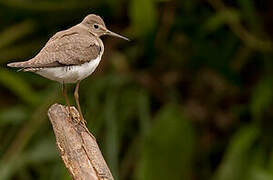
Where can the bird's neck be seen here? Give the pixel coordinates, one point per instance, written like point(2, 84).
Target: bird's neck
point(86, 29)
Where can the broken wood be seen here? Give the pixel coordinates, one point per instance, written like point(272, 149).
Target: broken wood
point(77, 146)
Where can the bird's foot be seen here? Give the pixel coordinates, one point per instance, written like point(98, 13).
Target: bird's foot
point(74, 115)
point(82, 120)
point(69, 112)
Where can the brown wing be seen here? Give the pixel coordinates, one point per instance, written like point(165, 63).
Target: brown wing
point(65, 48)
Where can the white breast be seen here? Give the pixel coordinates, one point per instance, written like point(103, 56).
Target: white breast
point(70, 74)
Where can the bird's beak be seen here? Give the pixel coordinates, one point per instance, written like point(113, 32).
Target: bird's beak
point(110, 33)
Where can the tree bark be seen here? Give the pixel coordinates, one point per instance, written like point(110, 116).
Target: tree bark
point(77, 146)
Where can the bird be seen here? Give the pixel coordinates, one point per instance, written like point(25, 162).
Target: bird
point(71, 55)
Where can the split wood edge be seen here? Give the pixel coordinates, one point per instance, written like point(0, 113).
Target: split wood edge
point(77, 146)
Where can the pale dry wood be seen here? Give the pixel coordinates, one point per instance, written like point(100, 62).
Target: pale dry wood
point(77, 146)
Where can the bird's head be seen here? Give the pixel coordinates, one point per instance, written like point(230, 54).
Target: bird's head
point(97, 27)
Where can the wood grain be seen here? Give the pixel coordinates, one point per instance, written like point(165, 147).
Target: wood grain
point(77, 146)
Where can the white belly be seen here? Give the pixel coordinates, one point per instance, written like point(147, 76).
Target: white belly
point(70, 74)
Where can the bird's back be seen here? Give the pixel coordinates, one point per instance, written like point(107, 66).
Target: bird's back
point(69, 47)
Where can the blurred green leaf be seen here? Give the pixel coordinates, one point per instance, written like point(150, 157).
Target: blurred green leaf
point(47, 5)
point(111, 137)
point(144, 112)
point(250, 14)
point(220, 18)
point(18, 86)
point(235, 161)
point(270, 164)
point(167, 151)
point(43, 151)
point(19, 51)
point(17, 31)
point(261, 97)
point(143, 16)
point(13, 115)
point(260, 174)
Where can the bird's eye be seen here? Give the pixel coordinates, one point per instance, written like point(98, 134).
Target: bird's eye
point(96, 26)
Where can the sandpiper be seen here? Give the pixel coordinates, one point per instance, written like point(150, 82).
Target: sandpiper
point(71, 55)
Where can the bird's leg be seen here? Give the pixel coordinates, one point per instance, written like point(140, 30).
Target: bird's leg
point(76, 95)
point(66, 99)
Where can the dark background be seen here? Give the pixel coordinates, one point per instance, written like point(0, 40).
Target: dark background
point(190, 97)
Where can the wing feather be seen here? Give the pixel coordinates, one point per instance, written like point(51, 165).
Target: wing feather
point(64, 49)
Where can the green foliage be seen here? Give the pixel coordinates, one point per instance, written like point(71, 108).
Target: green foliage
point(262, 97)
point(238, 155)
point(168, 148)
point(145, 21)
point(19, 86)
point(219, 20)
point(190, 97)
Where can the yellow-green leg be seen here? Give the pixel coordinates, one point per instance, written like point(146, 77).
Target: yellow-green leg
point(66, 99)
point(76, 95)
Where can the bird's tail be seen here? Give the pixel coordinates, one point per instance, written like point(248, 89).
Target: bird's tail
point(18, 64)
point(23, 66)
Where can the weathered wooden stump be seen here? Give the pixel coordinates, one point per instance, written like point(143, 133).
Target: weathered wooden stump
point(77, 146)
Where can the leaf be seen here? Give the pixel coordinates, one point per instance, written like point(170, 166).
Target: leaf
point(248, 10)
point(12, 115)
point(236, 157)
point(47, 6)
point(111, 137)
point(18, 86)
point(19, 50)
point(167, 151)
point(261, 97)
point(260, 174)
point(143, 16)
point(42, 152)
point(144, 112)
point(15, 32)
point(220, 18)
